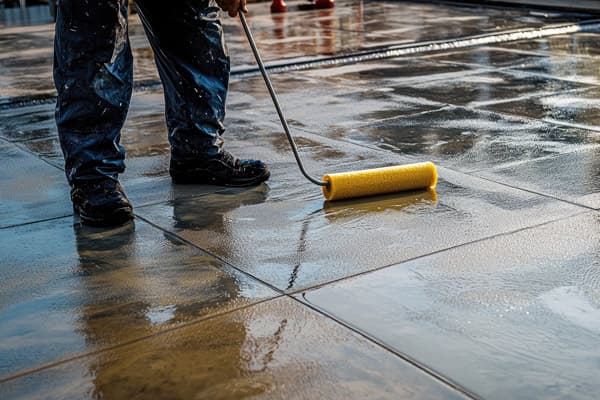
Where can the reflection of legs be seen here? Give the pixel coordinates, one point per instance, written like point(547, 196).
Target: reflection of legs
point(324, 3)
point(190, 53)
point(128, 293)
point(93, 74)
point(313, 4)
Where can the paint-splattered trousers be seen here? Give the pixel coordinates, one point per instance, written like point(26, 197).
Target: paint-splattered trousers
point(93, 74)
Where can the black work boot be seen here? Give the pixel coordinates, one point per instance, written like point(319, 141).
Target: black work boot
point(101, 203)
point(222, 170)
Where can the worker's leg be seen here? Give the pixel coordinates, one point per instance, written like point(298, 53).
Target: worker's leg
point(189, 48)
point(93, 77)
point(93, 74)
point(186, 36)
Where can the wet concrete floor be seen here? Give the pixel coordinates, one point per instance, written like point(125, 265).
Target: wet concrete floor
point(487, 287)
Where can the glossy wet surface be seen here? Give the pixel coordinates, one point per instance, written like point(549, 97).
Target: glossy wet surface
point(505, 326)
point(485, 288)
point(26, 58)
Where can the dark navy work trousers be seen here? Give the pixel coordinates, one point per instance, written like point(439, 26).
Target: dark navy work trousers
point(93, 73)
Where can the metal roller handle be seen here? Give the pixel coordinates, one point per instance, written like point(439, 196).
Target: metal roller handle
point(286, 128)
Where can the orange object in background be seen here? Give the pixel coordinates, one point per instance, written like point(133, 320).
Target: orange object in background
point(278, 6)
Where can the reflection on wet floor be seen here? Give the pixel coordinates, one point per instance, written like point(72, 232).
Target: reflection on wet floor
point(292, 240)
point(508, 324)
point(273, 348)
point(575, 177)
point(488, 286)
point(30, 190)
point(579, 44)
point(471, 140)
point(26, 57)
point(98, 288)
point(578, 108)
point(359, 207)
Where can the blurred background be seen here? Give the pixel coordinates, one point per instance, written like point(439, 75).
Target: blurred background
point(32, 12)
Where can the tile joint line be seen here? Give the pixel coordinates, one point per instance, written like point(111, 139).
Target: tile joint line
point(283, 293)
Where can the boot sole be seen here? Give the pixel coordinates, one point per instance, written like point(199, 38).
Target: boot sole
point(118, 217)
point(191, 180)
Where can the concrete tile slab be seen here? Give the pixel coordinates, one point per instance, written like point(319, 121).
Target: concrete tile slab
point(484, 88)
point(143, 134)
point(321, 106)
point(576, 44)
point(22, 38)
point(45, 148)
point(469, 140)
point(393, 72)
point(487, 56)
point(285, 234)
point(27, 56)
point(30, 15)
point(278, 349)
point(37, 121)
point(245, 92)
point(579, 108)
point(68, 289)
point(26, 123)
point(566, 67)
point(30, 189)
point(572, 177)
point(516, 324)
point(26, 75)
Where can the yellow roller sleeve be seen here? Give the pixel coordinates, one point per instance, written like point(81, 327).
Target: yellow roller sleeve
point(371, 182)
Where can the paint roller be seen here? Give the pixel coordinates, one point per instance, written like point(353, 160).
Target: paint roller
point(347, 185)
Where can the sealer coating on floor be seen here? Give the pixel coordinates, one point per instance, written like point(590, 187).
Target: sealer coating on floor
point(485, 288)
